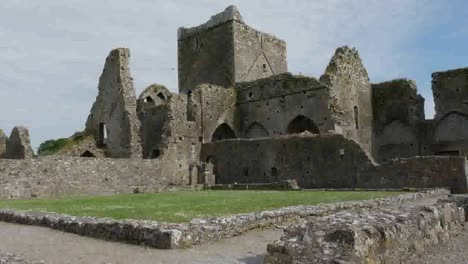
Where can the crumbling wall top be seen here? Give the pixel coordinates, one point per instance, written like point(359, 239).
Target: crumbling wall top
point(343, 57)
point(448, 73)
point(19, 144)
point(231, 13)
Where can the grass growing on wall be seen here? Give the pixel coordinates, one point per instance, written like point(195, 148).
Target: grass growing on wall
point(53, 146)
point(184, 206)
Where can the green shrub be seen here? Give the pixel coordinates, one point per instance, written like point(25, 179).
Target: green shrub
point(51, 146)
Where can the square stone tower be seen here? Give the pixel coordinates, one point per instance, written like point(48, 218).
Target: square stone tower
point(224, 51)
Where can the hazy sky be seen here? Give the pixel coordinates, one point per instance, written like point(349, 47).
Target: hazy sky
point(52, 51)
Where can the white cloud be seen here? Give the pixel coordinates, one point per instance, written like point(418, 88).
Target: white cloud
point(52, 53)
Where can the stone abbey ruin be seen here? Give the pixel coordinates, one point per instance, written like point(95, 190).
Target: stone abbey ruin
point(240, 117)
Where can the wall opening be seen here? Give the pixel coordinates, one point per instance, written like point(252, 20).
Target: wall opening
point(155, 154)
point(161, 96)
point(223, 131)
point(211, 168)
point(301, 124)
point(148, 99)
point(274, 173)
point(448, 153)
point(87, 154)
point(196, 44)
point(256, 130)
point(102, 141)
point(356, 117)
point(189, 111)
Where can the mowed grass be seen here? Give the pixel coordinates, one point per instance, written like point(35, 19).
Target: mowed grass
point(184, 206)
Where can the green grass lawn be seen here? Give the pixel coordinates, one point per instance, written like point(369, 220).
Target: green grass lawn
point(184, 206)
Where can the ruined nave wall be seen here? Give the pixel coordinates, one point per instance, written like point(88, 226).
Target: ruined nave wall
point(267, 107)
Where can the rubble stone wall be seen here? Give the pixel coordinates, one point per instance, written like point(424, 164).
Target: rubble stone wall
point(350, 92)
point(419, 172)
point(113, 119)
point(67, 176)
point(367, 236)
point(169, 236)
point(325, 161)
point(19, 145)
point(397, 111)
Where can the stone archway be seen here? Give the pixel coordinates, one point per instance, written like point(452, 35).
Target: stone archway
point(256, 130)
point(223, 131)
point(301, 124)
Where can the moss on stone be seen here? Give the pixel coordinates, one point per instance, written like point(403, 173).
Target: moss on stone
point(54, 146)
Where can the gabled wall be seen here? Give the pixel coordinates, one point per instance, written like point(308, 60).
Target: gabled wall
point(115, 109)
point(351, 90)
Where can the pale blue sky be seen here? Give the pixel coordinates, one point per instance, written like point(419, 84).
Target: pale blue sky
point(52, 51)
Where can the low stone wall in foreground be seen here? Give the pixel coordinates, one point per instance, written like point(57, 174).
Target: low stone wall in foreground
point(367, 236)
point(168, 236)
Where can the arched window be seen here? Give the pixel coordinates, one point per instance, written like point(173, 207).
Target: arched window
point(161, 96)
point(301, 124)
point(87, 154)
point(256, 130)
point(148, 99)
point(102, 134)
point(356, 117)
point(223, 131)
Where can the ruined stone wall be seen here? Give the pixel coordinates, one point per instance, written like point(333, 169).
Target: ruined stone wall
point(397, 111)
point(206, 52)
point(256, 54)
point(153, 107)
point(65, 176)
point(379, 235)
point(214, 107)
point(419, 172)
point(271, 104)
point(115, 109)
point(19, 145)
point(350, 90)
point(168, 133)
point(224, 51)
point(450, 91)
point(450, 135)
point(326, 161)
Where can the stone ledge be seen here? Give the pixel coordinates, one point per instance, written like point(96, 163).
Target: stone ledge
point(367, 235)
point(170, 236)
point(281, 185)
point(8, 258)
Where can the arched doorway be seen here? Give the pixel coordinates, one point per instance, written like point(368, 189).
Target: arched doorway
point(87, 154)
point(223, 131)
point(301, 124)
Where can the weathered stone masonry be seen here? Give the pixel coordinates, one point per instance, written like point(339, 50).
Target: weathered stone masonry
point(113, 120)
point(18, 146)
point(238, 110)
